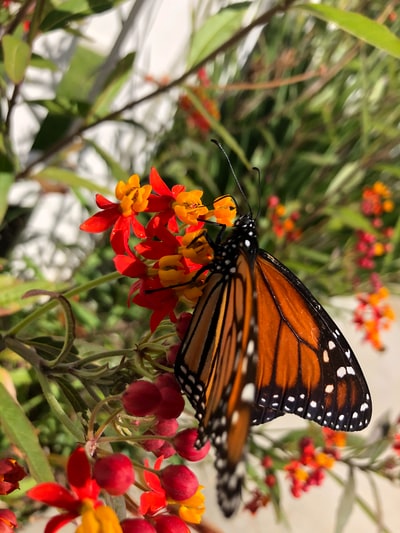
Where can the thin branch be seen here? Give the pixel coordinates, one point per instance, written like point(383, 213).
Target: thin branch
point(261, 20)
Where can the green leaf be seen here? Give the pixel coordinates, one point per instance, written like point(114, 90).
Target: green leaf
point(358, 25)
point(23, 434)
point(116, 170)
point(16, 57)
point(70, 178)
point(71, 10)
point(346, 216)
point(346, 503)
point(6, 180)
point(12, 290)
point(116, 80)
point(215, 31)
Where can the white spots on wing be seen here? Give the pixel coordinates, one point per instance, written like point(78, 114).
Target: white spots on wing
point(325, 356)
point(250, 347)
point(329, 388)
point(313, 404)
point(350, 370)
point(291, 399)
point(248, 393)
point(364, 407)
point(348, 354)
point(341, 372)
point(331, 345)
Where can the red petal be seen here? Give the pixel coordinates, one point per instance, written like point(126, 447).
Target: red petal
point(54, 495)
point(57, 522)
point(158, 183)
point(101, 221)
point(79, 475)
point(103, 203)
point(138, 228)
point(129, 266)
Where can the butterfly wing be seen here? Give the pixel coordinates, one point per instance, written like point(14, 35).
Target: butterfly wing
point(216, 367)
point(306, 366)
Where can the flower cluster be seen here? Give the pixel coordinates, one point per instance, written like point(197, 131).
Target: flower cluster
point(172, 256)
point(174, 487)
point(283, 224)
point(373, 314)
point(11, 473)
point(195, 118)
point(308, 469)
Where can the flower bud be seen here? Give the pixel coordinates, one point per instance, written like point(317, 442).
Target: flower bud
point(141, 398)
point(170, 524)
point(179, 482)
point(171, 405)
point(137, 525)
point(114, 473)
point(184, 444)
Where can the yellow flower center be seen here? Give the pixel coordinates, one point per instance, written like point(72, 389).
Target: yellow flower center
point(100, 520)
point(132, 197)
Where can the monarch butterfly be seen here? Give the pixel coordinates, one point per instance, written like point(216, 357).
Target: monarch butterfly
point(259, 345)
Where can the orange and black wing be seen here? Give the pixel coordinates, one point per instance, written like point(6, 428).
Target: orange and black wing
point(216, 367)
point(305, 364)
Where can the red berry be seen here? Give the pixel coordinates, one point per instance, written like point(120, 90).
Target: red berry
point(141, 398)
point(182, 324)
point(184, 443)
point(114, 473)
point(179, 482)
point(171, 524)
point(167, 427)
point(167, 380)
point(137, 525)
point(172, 403)
point(166, 450)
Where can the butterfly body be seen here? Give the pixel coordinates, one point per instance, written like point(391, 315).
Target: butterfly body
point(259, 345)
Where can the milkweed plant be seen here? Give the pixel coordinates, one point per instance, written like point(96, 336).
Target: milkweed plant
point(93, 423)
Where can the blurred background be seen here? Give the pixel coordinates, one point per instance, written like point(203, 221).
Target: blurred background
point(115, 88)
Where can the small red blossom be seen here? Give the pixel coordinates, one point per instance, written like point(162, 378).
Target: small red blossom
point(283, 225)
point(114, 473)
point(195, 118)
point(82, 496)
point(10, 475)
point(373, 314)
point(8, 521)
point(258, 501)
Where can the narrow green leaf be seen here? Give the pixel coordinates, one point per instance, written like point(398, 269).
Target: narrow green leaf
point(346, 503)
point(16, 57)
point(121, 73)
point(22, 433)
point(6, 180)
point(346, 216)
point(358, 25)
point(71, 179)
point(347, 178)
point(12, 290)
point(71, 10)
point(116, 170)
point(215, 31)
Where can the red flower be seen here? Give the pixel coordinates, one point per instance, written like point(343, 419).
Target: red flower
point(155, 499)
point(8, 521)
point(10, 473)
point(83, 495)
point(120, 215)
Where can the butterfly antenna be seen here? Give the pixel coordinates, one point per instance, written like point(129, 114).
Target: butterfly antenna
point(256, 169)
point(233, 173)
